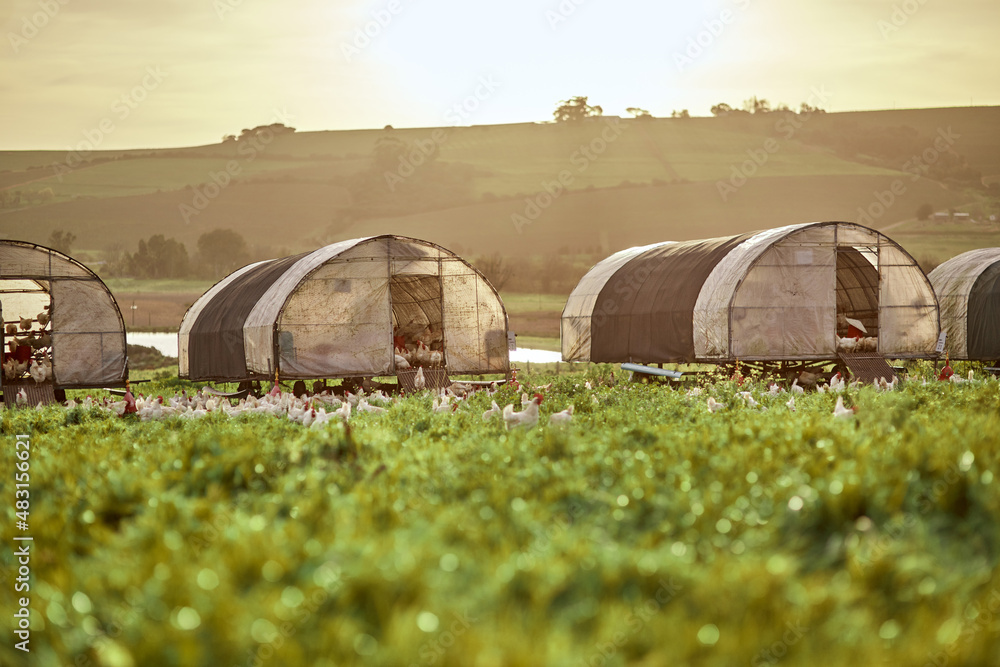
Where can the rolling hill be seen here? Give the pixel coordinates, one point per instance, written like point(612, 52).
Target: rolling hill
point(485, 189)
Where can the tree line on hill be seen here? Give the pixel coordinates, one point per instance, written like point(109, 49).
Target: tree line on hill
point(219, 252)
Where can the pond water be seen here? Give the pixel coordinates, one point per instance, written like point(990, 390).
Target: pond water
point(166, 343)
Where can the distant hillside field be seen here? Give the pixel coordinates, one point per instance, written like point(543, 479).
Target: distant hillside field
point(527, 189)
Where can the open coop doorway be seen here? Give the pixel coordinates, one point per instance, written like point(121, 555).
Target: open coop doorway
point(857, 298)
point(27, 333)
point(418, 319)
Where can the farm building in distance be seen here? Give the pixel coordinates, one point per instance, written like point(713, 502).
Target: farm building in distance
point(341, 311)
point(807, 292)
point(62, 326)
point(968, 290)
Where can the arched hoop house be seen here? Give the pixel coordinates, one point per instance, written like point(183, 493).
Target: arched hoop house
point(780, 294)
point(334, 312)
point(57, 310)
point(968, 290)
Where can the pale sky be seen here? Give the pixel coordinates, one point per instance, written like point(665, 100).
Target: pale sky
point(185, 72)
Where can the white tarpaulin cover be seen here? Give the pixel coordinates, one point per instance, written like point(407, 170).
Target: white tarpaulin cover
point(333, 312)
point(771, 295)
point(88, 334)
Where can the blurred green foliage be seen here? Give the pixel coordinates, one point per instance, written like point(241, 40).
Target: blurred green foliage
point(647, 532)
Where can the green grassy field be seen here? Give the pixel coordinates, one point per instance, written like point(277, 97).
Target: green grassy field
point(157, 286)
point(649, 531)
point(526, 303)
point(939, 241)
point(538, 343)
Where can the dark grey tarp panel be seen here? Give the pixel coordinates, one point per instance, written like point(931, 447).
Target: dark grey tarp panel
point(215, 345)
point(984, 315)
point(645, 312)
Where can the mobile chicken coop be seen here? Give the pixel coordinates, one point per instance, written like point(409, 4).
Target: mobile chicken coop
point(62, 327)
point(352, 309)
point(786, 298)
point(968, 291)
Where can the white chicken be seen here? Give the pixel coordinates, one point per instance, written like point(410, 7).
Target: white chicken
point(791, 404)
point(563, 417)
point(492, 412)
point(41, 371)
point(401, 361)
point(442, 404)
point(26, 323)
point(322, 417)
point(847, 344)
point(796, 389)
point(22, 398)
point(887, 386)
point(714, 405)
point(12, 369)
point(422, 354)
point(43, 317)
point(418, 381)
point(365, 406)
point(841, 412)
point(526, 419)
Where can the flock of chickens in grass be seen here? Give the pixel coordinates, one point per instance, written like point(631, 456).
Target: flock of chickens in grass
point(28, 349)
point(836, 385)
point(310, 411)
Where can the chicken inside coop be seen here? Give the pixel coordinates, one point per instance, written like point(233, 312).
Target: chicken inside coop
point(27, 333)
point(417, 321)
point(857, 299)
